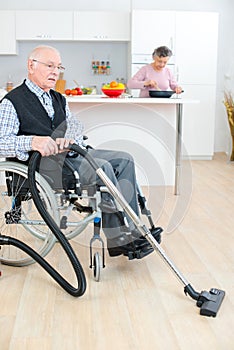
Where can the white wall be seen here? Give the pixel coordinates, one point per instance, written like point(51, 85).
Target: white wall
point(225, 46)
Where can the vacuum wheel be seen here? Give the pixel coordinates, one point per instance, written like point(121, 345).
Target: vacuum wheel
point(96, 266)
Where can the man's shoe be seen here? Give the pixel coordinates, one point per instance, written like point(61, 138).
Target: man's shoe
point(156, 233)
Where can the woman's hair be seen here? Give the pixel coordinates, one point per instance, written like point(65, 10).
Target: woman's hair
point(162, 51)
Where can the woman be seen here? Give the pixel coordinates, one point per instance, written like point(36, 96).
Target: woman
point(155, 76)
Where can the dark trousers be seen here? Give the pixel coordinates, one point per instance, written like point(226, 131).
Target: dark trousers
point(120, 168)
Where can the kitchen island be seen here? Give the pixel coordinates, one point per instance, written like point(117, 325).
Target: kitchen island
point(149, 128)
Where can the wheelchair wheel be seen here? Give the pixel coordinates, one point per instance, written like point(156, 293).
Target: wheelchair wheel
point(19, 216)
point(96, 266)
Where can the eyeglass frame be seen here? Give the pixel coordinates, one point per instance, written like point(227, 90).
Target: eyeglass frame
point(50, 66)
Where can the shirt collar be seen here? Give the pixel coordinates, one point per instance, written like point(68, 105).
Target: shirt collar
point(35, 88)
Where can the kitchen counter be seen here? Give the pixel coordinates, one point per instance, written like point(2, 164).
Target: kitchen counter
point(149, 128)
point(128, 100)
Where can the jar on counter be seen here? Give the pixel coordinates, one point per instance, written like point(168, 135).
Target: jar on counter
point(94, 90)
point(9, 86)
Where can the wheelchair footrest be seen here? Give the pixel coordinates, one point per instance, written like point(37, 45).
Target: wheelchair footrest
point(139, 253)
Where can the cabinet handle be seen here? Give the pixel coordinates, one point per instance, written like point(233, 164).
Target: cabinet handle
point(100, 36)
point(171, 43)
point(177, 73)
point(44, 36)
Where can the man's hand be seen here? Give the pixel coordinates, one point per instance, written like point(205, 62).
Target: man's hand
point(47, 146)
point(63, 144)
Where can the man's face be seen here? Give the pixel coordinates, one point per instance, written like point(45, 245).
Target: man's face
point(44, 69)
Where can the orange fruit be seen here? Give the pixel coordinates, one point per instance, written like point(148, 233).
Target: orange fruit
point(67, 92)
point(113, 84)
point(74, 92)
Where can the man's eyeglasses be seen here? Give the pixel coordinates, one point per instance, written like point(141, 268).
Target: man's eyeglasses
point(51, 67)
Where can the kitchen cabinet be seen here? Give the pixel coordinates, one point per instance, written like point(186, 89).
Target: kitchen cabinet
point(151, 29)
point(101, 26)
point(196, 47)
point(44, 25)
point(7, 33)
point(199, 122)
point(196, 62)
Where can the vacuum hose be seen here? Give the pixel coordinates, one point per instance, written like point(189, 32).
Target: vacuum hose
point(76, 292)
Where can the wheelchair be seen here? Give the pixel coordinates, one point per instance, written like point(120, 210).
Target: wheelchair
point(72, 206)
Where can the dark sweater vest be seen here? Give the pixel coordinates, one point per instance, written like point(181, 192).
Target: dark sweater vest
point(34, 120)
point(33, 117)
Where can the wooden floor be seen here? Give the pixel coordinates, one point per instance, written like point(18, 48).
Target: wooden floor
point(137, 305)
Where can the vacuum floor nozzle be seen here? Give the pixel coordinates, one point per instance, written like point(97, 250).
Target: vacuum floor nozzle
point(209, 302)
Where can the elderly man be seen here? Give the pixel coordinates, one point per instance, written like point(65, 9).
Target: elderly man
point(34, 117)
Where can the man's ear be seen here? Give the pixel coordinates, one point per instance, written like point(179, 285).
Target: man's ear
point(30, 66)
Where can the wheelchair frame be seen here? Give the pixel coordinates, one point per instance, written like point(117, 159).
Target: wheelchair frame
point(20, 219)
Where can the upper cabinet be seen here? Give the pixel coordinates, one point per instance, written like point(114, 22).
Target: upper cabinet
point(44, 25)
point(7, 33)
point(102, 26)
point(151, 29)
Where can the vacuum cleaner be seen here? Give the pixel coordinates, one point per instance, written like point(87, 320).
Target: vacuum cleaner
point(208, 302)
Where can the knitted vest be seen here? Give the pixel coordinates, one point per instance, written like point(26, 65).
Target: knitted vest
point(33, 117)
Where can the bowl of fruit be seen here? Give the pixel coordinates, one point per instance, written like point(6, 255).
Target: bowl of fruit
point(113, 89)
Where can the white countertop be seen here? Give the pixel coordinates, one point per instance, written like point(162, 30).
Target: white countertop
point(129, 100)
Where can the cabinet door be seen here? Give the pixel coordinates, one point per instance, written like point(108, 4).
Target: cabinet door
point(196, 47)
point(44, 25)
point(199, 121)
point(151, 29)
point(100, 25)
point(7, 33)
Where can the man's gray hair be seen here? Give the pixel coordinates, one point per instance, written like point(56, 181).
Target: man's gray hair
point(35, 53)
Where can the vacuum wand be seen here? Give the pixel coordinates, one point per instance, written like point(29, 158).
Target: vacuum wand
point(209, 302)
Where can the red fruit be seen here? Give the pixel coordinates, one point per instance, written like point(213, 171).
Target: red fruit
point(80, 92)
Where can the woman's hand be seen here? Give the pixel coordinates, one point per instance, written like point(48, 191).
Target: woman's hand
point(151, 83)
point(178, 90)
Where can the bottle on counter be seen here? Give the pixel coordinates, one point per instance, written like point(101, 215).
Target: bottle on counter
point(9, 85)
point(103, 67)
point(122, 80)
point(107, 68)
point(94, 67)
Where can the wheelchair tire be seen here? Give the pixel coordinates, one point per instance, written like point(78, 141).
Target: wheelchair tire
point(19, 216)
point(96, 266)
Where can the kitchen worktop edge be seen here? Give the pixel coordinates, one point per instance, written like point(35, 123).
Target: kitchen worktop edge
point(131, 100)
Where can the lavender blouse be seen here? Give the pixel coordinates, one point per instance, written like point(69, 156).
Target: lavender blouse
point(164, 79)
